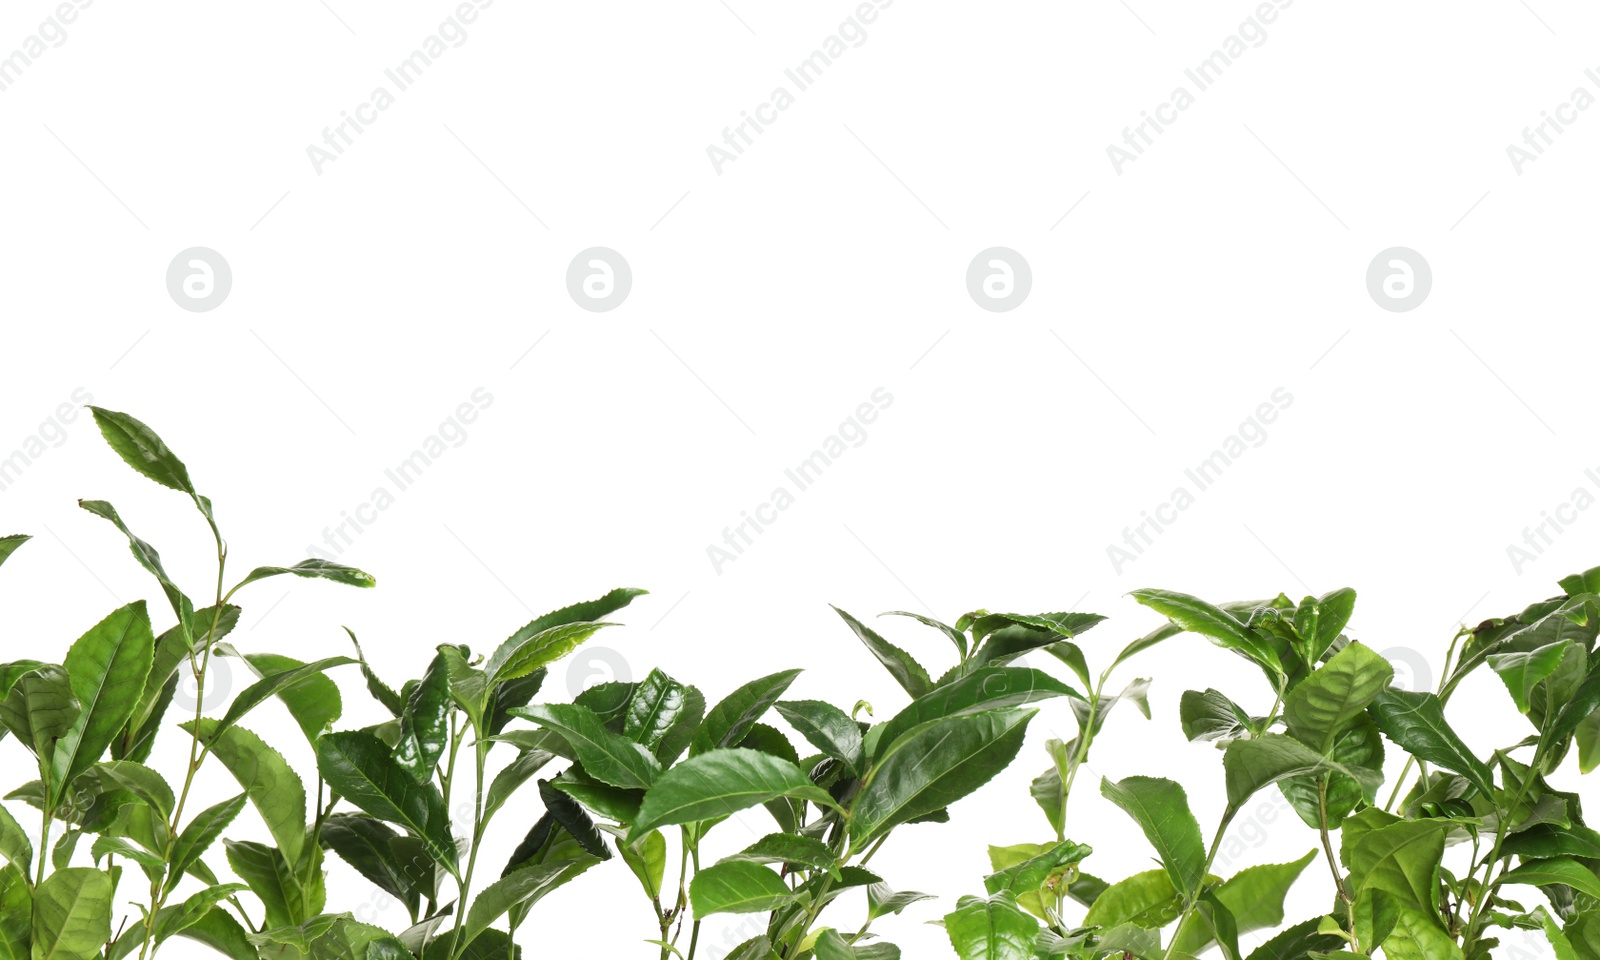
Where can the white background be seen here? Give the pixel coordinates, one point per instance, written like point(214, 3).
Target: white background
point(769, 301)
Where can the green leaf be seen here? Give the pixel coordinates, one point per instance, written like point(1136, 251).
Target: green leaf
point(274, 789)
point(883, 901)
point(992, 929)
point(789, 848)
point(1334, 609)
point(606, 756)
point(1523, 671)
point(363, 770)
point(984, 689)
point(1252, 764)
point(1555, 870)
point(1416, 722)
point(719, 783)
point(72, 914)
point(648, 860)
point(312, 699)
point(15, 846)
point(172, 651)
point(512, 776)
point(1254, 897)
point(314, 569)
point(147, 557)
point(934, 766)
point(522, 887)
point(727, 723)
point(547, 639)
point(9, 545)
point(218, 930)
point(831, 946)
point(1399, 857)
point(1211, 716)
point(141, 449)
point(956, 636)
point(653, 710)
point(900, 664)
point(272, 880)
point(1294, 943)
point(1214, 623)
point(1359, 747)
point(41, 708)
point(1049, 788)
point(107, 666)
point(1146, 899)
point(424, 723)
point(1028, 875)
point(139, 780)
point(1552, 840)
point(199, 835)
point(175, 919)
point(365, 844)
point(736, 886)
point(16, 914)
point(1418, 936)
point(572, 819)
point(1161, 808)
point(1559, 941)
point(827, 728)
point(1324, 704)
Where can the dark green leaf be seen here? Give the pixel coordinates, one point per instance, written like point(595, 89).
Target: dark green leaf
point(719, 783)
point(606, 756)
point(900, 664)
point(1271, 757)
point(656, 705)
point(728, 722)
point(1211, 716)
point(984, 689)
point(108, 666)
point(1324, 704)
point(934, 766)
point(827, 728)
point(956, 636)
point(424, 723)
point(1416, 722)
point(199, 835)
point(362, 769)
point(365, 844)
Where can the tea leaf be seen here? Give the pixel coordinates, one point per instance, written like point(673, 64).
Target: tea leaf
point(718, 783)
point(363, 770)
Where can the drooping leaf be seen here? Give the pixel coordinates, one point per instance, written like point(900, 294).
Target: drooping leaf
point(1161, 808)
point(362, 769)
point(41, 708)
point(274, 788)
point(727, 723)
point(139, 780)
point(933, 767)
point(15, 846)
point(1296, 942)
point(281, 890)
point(648, 860)
point(719, 783)
point(900, 664)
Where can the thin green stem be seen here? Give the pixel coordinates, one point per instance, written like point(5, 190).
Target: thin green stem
point(1190, 901)
point(481, 755)
point(45, 816)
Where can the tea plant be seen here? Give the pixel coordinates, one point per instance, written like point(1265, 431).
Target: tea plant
point(650, 773)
